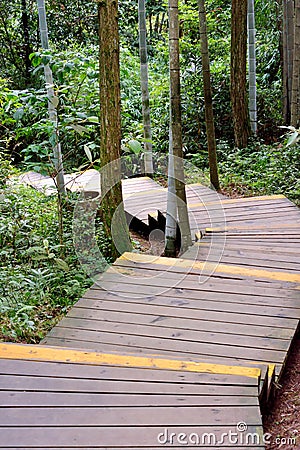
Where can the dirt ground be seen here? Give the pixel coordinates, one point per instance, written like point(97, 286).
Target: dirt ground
point(283, 418)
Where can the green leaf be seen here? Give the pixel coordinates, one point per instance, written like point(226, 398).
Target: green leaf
point(88, 153)
point(293, 139)
point(93, 119)
point(19, 114)
point(135, 146)
point(62, 264)
point(79, 128)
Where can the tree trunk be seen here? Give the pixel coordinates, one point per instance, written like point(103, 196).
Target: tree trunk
point(52, 100)
point(252, 67)
point(238, 73)
point(171, 214)
point(295, 100)
point(209, 114)
point(175, 125)
point(288, 51)
point(27, 46)
point(148, 162)
point(112, 208)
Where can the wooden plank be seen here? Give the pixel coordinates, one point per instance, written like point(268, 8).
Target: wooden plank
point(93, 386)
point(163, 331)
point(120, 312)
point(223, 268)
point(152, 275)
point(156, 343)
point(165, 305)
point(129, 416)
point(39, 353)
point(13, 398)
point(128, 437)
point(58, 370)
point(93, 346)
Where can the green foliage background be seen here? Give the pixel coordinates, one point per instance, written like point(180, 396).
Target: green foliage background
point(39, 279)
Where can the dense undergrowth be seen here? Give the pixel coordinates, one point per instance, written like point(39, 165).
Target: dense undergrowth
point(40, 278)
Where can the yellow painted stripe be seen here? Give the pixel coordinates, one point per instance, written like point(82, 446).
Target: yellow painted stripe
point(254, 227)
point(144, 193)
point(223, 268)
point(237, 200)
point(52, 354)
point(271, 371)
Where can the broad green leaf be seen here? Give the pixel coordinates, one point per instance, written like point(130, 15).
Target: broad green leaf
point(293, 139)
point(19, 114)
point(88, 153)
point(135, 146)
point(79, 128)
point(62, 264)
point(93, 119)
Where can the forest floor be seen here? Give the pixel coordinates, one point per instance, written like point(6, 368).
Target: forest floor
point(282, 420)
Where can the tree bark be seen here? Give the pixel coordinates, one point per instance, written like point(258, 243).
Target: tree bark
point(52, 100)
point(175, 125)
point(148, 158)
point(209, 114)
point(239, 98)
point(112, 208)
point(295, 98)
point(252, 67)
point(27, 46)
point(288, 56)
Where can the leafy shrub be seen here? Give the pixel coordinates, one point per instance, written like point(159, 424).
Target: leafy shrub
point(39, 278)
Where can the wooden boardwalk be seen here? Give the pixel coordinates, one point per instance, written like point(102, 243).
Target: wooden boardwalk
point(189, 346)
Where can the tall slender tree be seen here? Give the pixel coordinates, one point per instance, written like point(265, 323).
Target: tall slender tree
point(148, 159)
point(26, 39)
point(239, 97)
point(295, 97)
point(176, 130)
point(252, 67)
point(288, 57)
point(52, 100)
point(110, 127)
point(209, 113)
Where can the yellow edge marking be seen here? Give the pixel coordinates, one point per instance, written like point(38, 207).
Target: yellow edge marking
point(131, 180)
point(223, 268)
point(42, 353)
point(143, 193)
point(237, 200)
point(271, 371)
point(253, 227)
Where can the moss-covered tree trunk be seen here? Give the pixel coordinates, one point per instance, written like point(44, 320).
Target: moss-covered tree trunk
point(209, 114)
point(176, 130)
point(52, 101)
point(27, 46)
point(112, 209)
point(148, 163)
point(239, 98)
point(252, 66)
point(295, 100)
point(288, 57)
